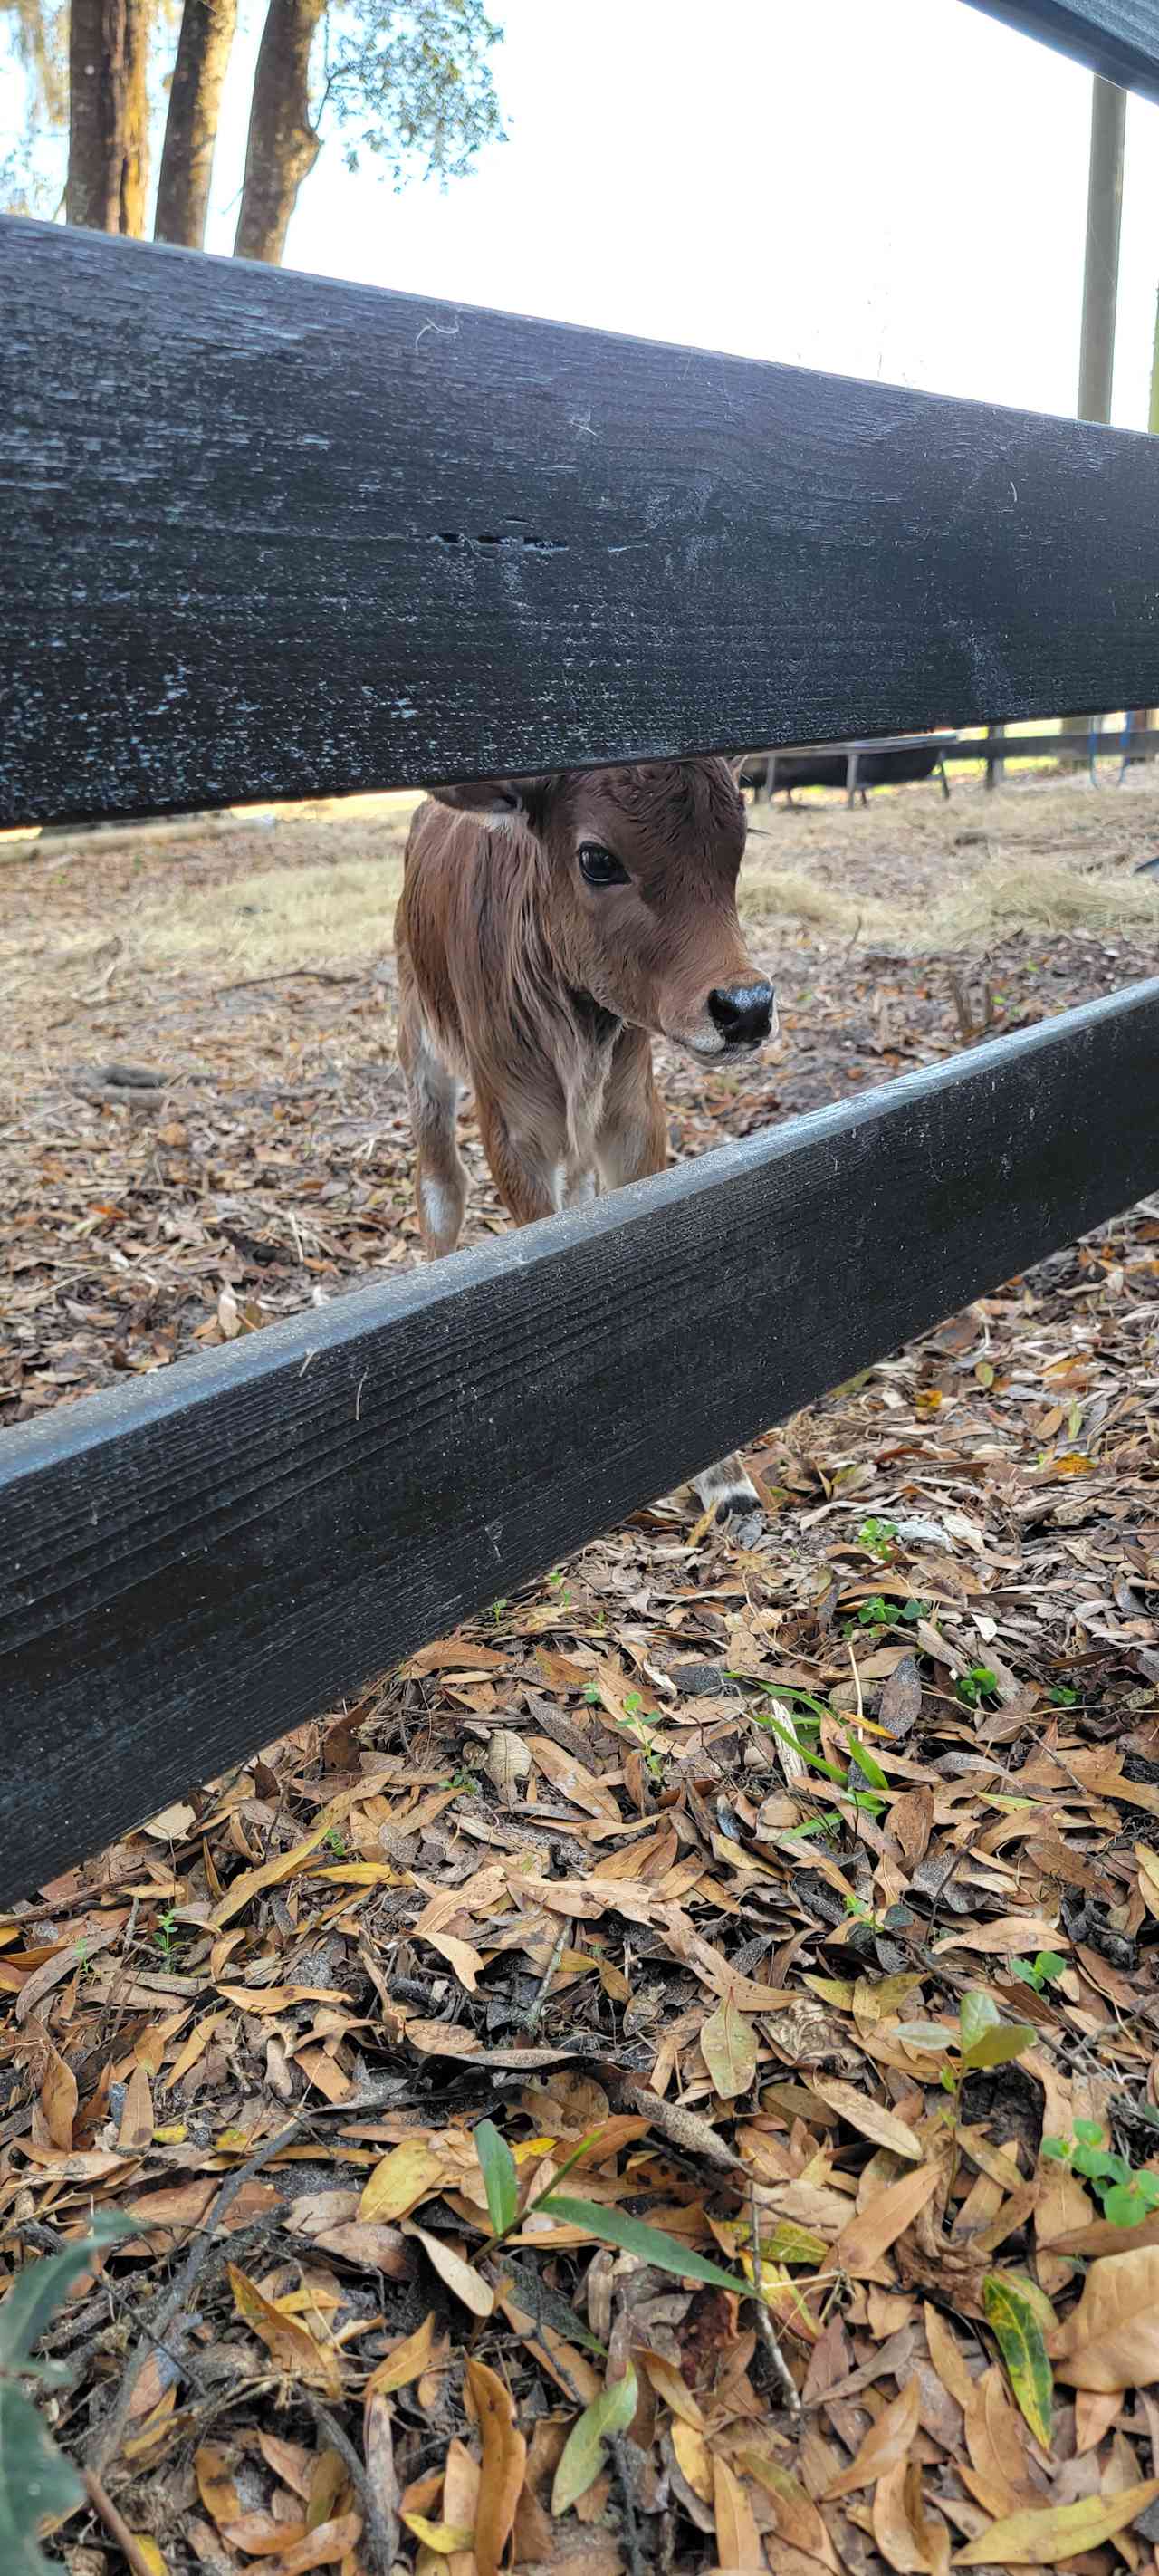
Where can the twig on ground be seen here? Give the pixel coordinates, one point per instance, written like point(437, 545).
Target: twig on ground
point(543, 1989)
point(117, 2527)
point(764, 2323)
point(107, 2438)
point(293, 974)
point(380, 2536)
point(110, 2430)
point(627, 2486)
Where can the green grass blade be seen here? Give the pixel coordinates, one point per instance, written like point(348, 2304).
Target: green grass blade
point(500, 2179)
point(634, 2236)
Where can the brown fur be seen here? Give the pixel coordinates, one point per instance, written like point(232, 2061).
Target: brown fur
point(545, 993)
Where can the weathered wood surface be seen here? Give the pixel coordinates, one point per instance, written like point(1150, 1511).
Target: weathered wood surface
point(1119, 38)
point(192, 1564)
point(267, 535)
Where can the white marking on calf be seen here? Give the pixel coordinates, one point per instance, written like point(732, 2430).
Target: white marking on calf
point(440, 1209)
point(727, 1487)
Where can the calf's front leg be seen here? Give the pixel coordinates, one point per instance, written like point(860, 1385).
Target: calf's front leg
point(530, 1178)
point(433, 1100)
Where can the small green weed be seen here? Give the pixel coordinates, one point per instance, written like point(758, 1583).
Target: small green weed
point(803, 1737)
point(879, 1613)
point(638, 1723)
point(1040, 1971)
point(878, 1537)
point(976, 1685)
point(1127, 2195)
point(860, 1912)
point(982, 2039)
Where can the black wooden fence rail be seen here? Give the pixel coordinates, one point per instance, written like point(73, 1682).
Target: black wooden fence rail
point(1119, 38)
point(262, 535)
point(266, 535)
point(197, 1561)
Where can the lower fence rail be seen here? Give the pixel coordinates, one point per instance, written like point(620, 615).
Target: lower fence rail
point(196, 1562)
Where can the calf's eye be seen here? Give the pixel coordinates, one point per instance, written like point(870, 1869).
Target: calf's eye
point(600, 867)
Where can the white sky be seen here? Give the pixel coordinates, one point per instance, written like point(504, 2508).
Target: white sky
point(896, 190)
point(890, 188)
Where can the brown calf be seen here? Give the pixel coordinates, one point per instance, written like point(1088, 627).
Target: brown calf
point(549, 929)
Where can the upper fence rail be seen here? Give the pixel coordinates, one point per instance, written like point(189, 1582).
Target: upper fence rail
point(265, 535)
point(1119, 38)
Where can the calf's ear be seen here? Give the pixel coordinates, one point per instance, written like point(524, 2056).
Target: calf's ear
point(500, 799)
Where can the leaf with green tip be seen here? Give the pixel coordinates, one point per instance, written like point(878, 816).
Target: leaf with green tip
point(500, 2179)
point(977, 2012)
point(634, 2236)
point(1007, 2039)
point(1018, 2333)
point(39, 2289)
point(35, 2481)
point(582, 2456)
point(1042, 2535)
point(1036, 2299)
point(788, 2243)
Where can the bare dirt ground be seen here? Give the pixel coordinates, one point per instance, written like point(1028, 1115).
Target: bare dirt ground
point(811, 1866)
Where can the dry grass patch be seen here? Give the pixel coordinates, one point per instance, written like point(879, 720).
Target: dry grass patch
point(1001, 895)
point(1044, 894)
point(220, 900)
point(341, 912)
point(333, 915)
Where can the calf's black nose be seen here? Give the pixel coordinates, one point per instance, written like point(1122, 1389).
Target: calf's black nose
point(743, 1012)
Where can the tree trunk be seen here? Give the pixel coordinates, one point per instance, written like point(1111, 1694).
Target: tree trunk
point(203, 51)
point(97, 85)
point(282, 146)
point(139, 17)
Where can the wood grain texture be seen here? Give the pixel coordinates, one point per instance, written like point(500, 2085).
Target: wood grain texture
point(1119, 38)
point(267, 535)
point(193, 1563)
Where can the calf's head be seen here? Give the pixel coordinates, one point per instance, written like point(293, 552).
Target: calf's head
point(635, 876)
